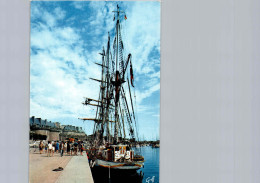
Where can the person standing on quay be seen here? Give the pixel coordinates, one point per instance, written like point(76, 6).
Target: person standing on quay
point(81, 148)
point(41, 147)
point(65, 147)
point(61, 148)
point(68, 148)
point(54, 145)
point(57, 147)
point(49, 148)
point(71, 148)
point(46, 148)
point(76, 148)
point(53, 148)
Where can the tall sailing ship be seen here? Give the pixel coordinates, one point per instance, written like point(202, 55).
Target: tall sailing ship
point(115, 128)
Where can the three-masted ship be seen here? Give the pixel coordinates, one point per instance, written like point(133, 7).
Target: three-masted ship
point(115, 128)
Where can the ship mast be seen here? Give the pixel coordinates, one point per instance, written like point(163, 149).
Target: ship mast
point(107, 91)
point(102, 87)
point(118, 79)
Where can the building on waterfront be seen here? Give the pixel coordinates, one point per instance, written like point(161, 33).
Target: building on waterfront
point(42, 129)
point(69, 131)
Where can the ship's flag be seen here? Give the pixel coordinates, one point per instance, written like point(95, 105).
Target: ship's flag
point(131, 74)
point(125, 17)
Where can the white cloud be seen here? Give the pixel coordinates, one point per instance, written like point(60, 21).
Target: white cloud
point(142, 94)
point(78, 5)
point(142, 37)
point(58, 71)
point(143, 32)
point(59, 13)
point(49, 19)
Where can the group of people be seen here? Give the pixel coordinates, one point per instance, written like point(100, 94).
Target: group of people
point(61, 147)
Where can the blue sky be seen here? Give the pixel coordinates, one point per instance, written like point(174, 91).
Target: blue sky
point(66, 38)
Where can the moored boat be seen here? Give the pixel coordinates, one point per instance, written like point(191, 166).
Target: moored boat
point(115, 127)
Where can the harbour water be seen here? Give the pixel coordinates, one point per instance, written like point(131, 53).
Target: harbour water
point(151, 164)
point(148, 174)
